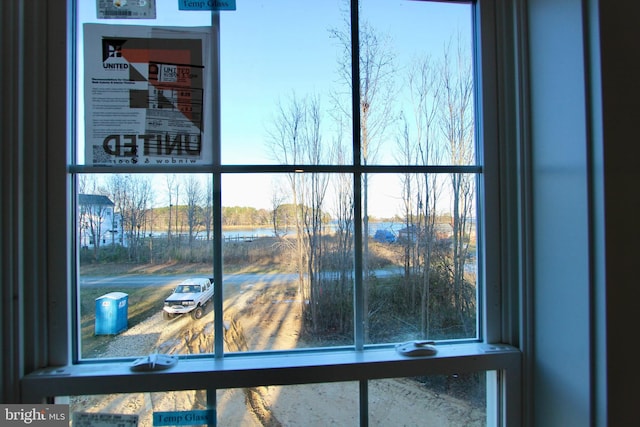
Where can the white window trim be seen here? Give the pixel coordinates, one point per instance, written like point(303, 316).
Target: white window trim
point(501, 362)
point(63, 377)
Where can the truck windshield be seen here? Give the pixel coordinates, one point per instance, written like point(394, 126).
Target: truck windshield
point(185, 289)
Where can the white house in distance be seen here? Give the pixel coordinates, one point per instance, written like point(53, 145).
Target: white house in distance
point(98, 223)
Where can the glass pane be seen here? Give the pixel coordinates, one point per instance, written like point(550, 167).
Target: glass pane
point(177, 112)
point(144, 406)
point(139, 237)
point(436, 400)
point(442, 400)
point(284, 65)
point(288, 260)
point(254, 406)
point(416, 83)
point(420, 258)
point(309, 405)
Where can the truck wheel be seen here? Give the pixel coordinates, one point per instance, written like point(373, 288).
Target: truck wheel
point(167, 316)
point(197, 313)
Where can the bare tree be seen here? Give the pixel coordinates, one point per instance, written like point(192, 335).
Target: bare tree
point(406, 154)
point(176, 197)
point(343, 218)
point(457, 125)
point(277, 200)
point(377, 71)
point(313, 196)
point(207, 211)
point(425, 89)
point(132, 197)
point(194, 196)
point(296, 139)
point(286, 145)
point(171, 183)
point(117, 190)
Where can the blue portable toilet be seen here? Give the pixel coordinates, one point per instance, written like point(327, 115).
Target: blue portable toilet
point(111, 313)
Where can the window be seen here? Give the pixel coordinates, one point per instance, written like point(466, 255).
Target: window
point(338, 207)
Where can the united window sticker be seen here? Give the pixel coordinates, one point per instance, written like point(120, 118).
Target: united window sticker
point(145, 95)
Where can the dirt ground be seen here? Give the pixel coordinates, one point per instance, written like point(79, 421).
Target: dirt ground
point(393, 402)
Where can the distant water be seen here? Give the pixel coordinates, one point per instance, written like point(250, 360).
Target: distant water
point(268, 231)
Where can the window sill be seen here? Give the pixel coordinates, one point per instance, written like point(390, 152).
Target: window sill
point(235, 371)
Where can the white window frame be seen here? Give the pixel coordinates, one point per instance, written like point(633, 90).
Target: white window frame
point(499, 114)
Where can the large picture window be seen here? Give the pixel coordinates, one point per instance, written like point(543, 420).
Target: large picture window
point(288, 239)
point(274, 191)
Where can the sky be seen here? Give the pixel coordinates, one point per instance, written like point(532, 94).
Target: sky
point(270, 50)
point(284, 46)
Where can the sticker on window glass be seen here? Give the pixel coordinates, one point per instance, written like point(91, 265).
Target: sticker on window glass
point(144, 93)
point(90, 419)
point(207, 4)
point(184, 418)
point(126, 9)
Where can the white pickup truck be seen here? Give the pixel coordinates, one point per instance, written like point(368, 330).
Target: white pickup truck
point(190, 296)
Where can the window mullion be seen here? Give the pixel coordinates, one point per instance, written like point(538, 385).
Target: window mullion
point(359, 319)
point(218, 327)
